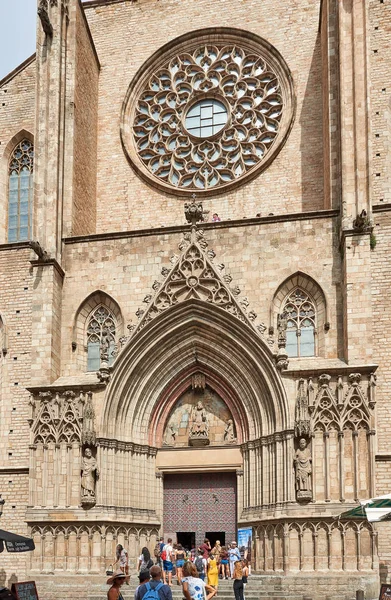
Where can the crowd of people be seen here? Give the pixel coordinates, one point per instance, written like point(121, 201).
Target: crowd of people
point(197, 570)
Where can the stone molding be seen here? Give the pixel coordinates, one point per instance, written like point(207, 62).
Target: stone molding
point(294, 545)
point(126, 446)
point(119, 235)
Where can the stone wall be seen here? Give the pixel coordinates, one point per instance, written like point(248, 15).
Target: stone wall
point(379, 53)
point(16, 284)
point(268, 248)
point(294, 182)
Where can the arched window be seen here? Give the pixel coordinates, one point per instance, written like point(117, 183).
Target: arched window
point(101, 321)
point(20, 192)
point(301, 328)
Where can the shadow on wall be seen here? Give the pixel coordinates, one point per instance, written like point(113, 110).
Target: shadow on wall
point(311, 143)
point(12, 579)
point(3, 576)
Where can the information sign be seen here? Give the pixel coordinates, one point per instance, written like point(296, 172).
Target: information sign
point(385, 592)
point(25, 590)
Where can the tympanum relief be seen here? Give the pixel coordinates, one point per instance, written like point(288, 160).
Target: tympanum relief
point(199, 419)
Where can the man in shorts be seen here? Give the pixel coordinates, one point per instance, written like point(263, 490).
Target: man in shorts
point(167, 562)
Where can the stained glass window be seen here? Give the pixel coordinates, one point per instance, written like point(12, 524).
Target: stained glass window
point(20, 192)
point(301, 328)
point(101, 321)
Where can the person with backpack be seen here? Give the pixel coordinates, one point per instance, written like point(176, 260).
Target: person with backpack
point(200, 564)
point(144, 577)
point(154, 589)
point(167, 556)
point(158, 550)
point(193, 587)
point(144, 560)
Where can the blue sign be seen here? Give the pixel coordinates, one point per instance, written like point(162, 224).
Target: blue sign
point(245, 536)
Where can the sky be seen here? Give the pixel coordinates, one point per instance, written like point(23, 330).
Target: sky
point(17, 33)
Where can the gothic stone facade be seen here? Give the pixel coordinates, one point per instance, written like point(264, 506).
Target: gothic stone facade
point(128, 311)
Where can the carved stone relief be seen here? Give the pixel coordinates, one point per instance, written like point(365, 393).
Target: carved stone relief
point(193, 274)
point(199, 419)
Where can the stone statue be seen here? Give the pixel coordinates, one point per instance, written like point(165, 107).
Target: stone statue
point(89, 475)
point(105, 345)
point(229, 433)
point(88, 433)
point(282, 324)
point(303, 471)
point(199, 428)
point(170, 436)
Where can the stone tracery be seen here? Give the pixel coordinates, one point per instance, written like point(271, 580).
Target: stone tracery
point(208, 113)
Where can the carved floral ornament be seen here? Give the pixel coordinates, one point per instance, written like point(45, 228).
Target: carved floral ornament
point(207, 112)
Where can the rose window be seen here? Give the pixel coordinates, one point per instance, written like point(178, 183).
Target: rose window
point(207, 115)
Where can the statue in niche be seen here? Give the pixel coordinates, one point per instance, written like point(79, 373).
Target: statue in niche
point(303, 471)
point(105, 345)
point(199, 427)
point(89, 435)
point(229, 433)
point(282, 324)
point(89, 475)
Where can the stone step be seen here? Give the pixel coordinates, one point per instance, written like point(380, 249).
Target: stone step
point(254, 591)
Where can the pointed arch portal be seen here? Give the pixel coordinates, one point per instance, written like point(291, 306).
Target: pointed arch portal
point(157, 364)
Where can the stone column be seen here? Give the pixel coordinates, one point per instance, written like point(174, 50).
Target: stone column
point(239, 479)
point(354, 107)
point(46, 322)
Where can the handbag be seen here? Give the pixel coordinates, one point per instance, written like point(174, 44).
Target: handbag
point(109, 571)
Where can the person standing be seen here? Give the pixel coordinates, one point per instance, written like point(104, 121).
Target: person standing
point(234, 555)
point(216, 550)
point(245, 575)
point(163, 590)
point(224, 566)
point(116, 581)
point(200, 564)
point(213, 572)
point(238, 580)
point(158, 550)
point(122, 559)
point(206, 548)
point(167, 556)
point(193, 587)
point(179, 562)
point(144, 560)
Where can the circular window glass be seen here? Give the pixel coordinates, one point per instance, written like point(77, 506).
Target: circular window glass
point(206, 118)
point(184, 144)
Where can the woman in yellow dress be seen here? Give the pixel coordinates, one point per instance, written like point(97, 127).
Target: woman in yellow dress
point(213, 572)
